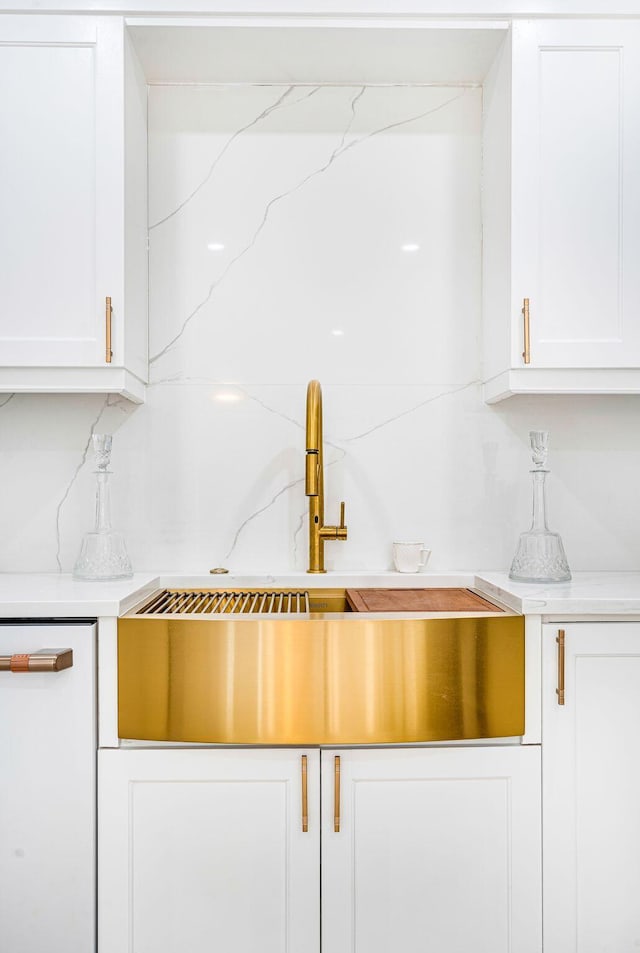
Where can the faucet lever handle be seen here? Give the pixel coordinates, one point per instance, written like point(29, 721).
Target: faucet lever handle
point(341, 530)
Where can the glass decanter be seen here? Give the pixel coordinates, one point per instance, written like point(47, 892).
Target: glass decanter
point(103, 554)
point(540, 555)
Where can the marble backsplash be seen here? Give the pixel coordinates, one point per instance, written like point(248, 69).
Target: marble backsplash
point(335, 233)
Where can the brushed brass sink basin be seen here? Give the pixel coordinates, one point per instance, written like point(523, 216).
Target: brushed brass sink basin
point(325, 675)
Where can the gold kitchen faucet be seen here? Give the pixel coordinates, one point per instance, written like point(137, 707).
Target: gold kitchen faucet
point(314, 483)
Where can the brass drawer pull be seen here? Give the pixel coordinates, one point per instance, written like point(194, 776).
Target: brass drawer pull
point(526, 354)
point(336, 794)
point(46, 660)
point(560, 688)
point(108, 313)
point(305, 797)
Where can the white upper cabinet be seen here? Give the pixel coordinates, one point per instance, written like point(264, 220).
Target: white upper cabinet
point(561, 210)
point(561, 181)
point(71, 88)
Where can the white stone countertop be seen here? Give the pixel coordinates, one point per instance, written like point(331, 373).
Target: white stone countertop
point(588, 593)
point(58, 595)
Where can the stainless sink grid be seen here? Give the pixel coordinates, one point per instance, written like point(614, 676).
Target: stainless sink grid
point(225, 602)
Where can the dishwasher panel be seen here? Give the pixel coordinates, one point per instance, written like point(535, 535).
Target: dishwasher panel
point(47, 787)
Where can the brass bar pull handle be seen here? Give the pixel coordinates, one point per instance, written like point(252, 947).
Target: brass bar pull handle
point(108, 313)
point(560, 688)
point(46, 660)
point(526, 354)
point(305, 797)
point(342, 526)
point(336, 794)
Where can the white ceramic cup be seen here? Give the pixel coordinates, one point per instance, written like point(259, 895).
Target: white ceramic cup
point(410, 557)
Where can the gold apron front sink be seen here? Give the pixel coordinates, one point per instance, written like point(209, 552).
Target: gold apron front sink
point(326, 676)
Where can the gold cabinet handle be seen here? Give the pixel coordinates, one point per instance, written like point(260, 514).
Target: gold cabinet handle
point(336, 794)
point(46, 660)
point(108, 313)
point(526, 354)
point(560, 688)
point(305, 797)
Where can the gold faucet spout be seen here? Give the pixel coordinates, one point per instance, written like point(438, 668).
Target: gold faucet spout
point(314, 417)
point(314, 483)
point(313, 471)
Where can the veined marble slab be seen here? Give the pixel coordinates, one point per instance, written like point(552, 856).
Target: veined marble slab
point(588, 593)
point(321, 232)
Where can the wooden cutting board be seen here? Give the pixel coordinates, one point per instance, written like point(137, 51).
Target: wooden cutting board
point(418, 600)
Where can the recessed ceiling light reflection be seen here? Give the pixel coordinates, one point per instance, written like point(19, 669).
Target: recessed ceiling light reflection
point(227, 396)
point(410, 246)
point(215, 246)
point(337, 333)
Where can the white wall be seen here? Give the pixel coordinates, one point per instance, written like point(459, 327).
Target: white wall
point(313, 192)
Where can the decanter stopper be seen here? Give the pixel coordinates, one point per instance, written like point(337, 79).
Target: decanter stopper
point(102, 443)
point(539, 447)
point(540, 555)
point(103, 553)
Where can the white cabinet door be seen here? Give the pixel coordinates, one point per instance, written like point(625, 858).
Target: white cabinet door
point(68, 89)
point(58, 207)
point(562, 209)
point(576, 185)
point(47, 794)
point(203, 850)
point(591, 789)
point(437, 849)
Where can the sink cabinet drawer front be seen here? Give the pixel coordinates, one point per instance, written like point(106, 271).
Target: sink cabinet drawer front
point(320, 682)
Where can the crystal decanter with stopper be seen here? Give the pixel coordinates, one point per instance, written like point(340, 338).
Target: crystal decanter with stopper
point(540, 556)
point(103, 554)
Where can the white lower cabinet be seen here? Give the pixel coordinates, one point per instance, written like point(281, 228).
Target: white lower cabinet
point(202, 851)
point(438, 849)
point(591, 788)
point(47, 792)
point(421, 848)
